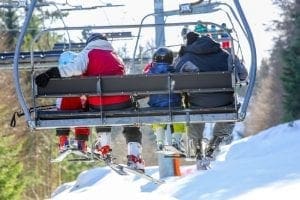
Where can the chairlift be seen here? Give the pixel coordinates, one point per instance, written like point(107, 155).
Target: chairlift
point(41, 117)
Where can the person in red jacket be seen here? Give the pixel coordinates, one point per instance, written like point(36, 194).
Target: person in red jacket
point(99, 59)
point(70, 103)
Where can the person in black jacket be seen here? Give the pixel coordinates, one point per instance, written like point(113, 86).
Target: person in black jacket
point(203, 54)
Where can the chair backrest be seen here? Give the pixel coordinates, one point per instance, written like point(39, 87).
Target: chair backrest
point(138, 84)
point(135, 85)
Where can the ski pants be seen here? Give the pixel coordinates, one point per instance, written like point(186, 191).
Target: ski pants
point(176, 127)
point(131, 133)
point(72, 103)
point(195, 130)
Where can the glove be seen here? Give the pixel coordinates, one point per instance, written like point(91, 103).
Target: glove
point(42, 79)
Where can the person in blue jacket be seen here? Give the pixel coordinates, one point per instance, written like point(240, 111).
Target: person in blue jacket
point(162, 61)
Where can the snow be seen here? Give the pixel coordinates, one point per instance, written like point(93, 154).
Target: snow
point(264, 166)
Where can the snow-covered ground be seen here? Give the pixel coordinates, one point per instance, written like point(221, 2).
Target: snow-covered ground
point(265, 166)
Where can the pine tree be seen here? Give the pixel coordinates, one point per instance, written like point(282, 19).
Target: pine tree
point(289, 28)
point(291, 69)
point(10, 21)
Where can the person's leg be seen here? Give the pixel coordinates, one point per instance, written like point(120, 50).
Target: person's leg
point(133, 138)
point(82, 136)
point(81, 133)
point(132, 134)
point(195, 132)
point(178, 136)
point(222, 131)
point(159, 131)
point(63, 137)
point(195, 135)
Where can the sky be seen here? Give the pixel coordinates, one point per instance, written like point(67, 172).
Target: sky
point(264, 166)
point(259, 16)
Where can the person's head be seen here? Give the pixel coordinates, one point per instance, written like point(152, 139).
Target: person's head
point(163, 55)
point(191, 37)
point(95, 36)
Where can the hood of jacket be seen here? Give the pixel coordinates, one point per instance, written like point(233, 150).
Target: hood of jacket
point(99, 44)
point(203, 45)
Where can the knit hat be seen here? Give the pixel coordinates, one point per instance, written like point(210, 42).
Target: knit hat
point(95, 36)
point(191, 37)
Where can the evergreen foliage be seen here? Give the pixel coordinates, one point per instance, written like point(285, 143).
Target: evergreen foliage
point(291, 69)
point(11, 184)
point(11, 24)
point(276, 97)
point(25, 173)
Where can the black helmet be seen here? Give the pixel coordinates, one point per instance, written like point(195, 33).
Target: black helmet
point(163, 55)
point(95, 36)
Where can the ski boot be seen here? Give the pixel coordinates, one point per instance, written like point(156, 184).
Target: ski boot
point(134, 157)
point(80, 142)
point(202, 162)
point(82, 146)
point(102, 145)
point(160, 138)
point(177, 142)
point(214, 145)
point(63, 143)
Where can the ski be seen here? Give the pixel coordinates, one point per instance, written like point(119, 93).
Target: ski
point(61, 156)
point(117, 168)
point(120, 169)
point(81, 160)
point(169, 151)
point(64, 154)
point(141, 174)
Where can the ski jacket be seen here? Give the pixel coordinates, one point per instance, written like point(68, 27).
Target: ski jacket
point(98, 59)
point(206, 55)
point(162, 100)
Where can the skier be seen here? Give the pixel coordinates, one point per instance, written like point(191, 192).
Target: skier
point(71, 103)
point(161, 63)
point(200, 55)
point(98, 58)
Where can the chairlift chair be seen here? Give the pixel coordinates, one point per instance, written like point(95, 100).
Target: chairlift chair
point(139, 84)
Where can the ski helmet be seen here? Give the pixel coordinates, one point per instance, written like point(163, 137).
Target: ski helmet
point(163, 55)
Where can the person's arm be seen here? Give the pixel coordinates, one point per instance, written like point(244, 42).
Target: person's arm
point(186, 66)
point(241, 70)
point(42, 79)
point(76, 67)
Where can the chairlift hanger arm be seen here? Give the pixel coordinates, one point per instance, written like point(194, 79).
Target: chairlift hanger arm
point(15, 65)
